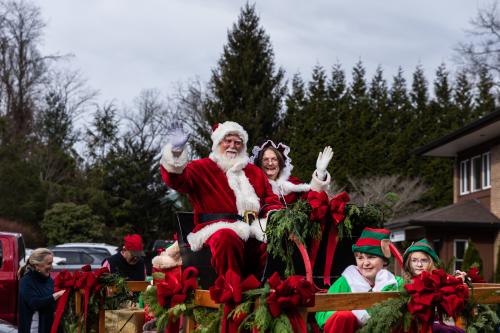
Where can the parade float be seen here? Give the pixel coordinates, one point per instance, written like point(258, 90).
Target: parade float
point(285, 297)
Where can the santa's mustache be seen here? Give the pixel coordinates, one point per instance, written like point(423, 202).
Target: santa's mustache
point(231, 151)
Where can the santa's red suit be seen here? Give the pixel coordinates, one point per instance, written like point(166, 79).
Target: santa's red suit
point(211, 190)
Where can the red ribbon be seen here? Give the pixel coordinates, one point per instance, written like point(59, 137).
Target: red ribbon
point(436, 291)
point(287, 296)
point(473, 275)
point(337, 212)
point(84, 279)
point(319, 205)
point(171, 292)
point(228, 290)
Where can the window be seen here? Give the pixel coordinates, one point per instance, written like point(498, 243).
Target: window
point(486, 170)
point(460, 245)
point(476, 173)
point(464, 177)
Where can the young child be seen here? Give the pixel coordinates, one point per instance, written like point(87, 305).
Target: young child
point(372, 252)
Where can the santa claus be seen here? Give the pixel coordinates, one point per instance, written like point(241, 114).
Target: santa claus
point(222, 189)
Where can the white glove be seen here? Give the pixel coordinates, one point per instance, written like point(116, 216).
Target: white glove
point(177, 136)
point(322, 162)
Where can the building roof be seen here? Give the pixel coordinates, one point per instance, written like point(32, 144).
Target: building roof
point(466, 214)
point(475, 133)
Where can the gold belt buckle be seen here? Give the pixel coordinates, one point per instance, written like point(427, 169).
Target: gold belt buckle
point(249, 216)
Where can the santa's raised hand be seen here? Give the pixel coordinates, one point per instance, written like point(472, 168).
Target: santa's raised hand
point(322, 162)
point(177, 137)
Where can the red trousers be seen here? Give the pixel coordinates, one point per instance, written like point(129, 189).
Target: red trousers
point(342, 321)
point(229, 251)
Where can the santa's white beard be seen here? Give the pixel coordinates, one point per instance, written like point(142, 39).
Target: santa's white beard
point(226, 163)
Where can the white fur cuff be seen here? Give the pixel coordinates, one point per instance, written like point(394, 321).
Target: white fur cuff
point(171, 163)
point(197, 239)
point(319, 185)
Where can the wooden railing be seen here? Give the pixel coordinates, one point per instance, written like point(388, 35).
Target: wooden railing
point(484, 293)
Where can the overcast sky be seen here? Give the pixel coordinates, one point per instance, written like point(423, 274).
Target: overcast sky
point(124, 46)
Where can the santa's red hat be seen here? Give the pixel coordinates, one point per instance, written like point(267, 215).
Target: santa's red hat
point(228, 127)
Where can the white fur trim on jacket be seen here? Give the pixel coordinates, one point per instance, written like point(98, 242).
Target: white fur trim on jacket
point(358, 283)
point(228, 127)
point(197, 239)
point(319, 185)
point(171, 163)
point(286, 187)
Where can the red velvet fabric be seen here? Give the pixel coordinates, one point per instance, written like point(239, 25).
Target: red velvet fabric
point(342, 321)
point(229, 252)
point(209, 192)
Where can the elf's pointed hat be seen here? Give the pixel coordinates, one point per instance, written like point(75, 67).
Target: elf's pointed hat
point(422, 245)
point(377, 242)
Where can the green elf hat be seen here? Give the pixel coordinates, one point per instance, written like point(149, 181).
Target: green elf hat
point(422, 245)
point(372, 241)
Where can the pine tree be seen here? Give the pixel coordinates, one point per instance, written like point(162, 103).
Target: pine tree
point(310, 125)
point(337, 130)
point(485, 100)
point(359, 123)
point(463, 99)
point(403, 126)
point(246, 87)
point(472, 257)
point(382, 125)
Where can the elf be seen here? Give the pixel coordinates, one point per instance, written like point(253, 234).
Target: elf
point(372, 252)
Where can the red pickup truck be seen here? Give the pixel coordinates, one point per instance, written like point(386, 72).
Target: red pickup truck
point(12, 254)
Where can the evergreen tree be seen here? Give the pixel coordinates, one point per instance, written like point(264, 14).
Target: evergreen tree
point(485, 99)
point(337, 130)
point(382, 125)
point(359, 125)
point(463, 99)
point(400, 116)
point(246, 87)
point(472, 258)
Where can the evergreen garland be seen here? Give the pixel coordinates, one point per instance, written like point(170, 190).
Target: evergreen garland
point(357, 217)
point(386, 315)
point(74, 323)
point(284, 224)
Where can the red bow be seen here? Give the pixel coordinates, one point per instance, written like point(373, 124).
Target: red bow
point(287, 296)
point(474, 276)
point(171, 292)
point(84, 279)
point(228, 290)
point(436, 291)
point(337, 206)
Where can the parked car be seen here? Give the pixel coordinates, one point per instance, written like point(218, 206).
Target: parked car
point(111, 249)
point(76, 257)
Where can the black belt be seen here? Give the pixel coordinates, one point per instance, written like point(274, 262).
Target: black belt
point(207, 217)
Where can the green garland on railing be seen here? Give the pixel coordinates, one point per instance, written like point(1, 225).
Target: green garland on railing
point(121, 294)
point(284, 223)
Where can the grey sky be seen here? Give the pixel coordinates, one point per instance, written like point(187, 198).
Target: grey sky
point(124, 46)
